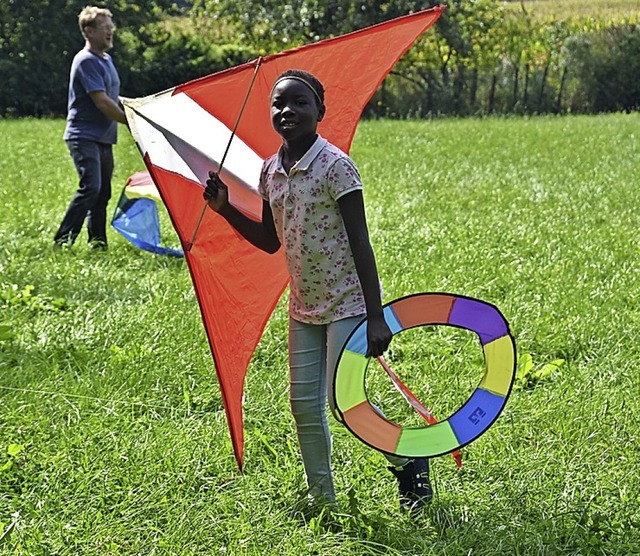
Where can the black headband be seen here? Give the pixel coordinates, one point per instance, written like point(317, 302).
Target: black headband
point(302, 80)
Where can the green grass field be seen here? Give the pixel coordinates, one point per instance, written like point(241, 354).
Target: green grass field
point(601, 10)
point(112, 435)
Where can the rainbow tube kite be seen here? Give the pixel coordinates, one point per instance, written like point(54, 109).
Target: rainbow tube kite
point(462, 427)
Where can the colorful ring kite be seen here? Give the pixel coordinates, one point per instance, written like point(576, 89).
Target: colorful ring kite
point(477, 414)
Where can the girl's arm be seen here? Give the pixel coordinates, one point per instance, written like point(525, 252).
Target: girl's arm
point(352, 211)
point(261, 234)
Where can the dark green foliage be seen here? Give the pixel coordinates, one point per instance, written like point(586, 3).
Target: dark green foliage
point(38, 39)
point(478, 59)
point(274, 25)
point(607, 64)
point(169, 59)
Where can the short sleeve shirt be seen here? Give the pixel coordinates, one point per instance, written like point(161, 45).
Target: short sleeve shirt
point(324, 284)
point(91, 73)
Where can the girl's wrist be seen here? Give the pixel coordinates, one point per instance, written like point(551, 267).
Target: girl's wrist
point(374, 315)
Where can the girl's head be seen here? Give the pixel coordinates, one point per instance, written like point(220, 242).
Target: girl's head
point(305, 77)
point(297, 104)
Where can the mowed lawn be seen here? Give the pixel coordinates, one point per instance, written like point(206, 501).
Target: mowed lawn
point(113, 440)
point(599, 10)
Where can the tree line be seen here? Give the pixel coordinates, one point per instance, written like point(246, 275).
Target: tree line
point(480, 58)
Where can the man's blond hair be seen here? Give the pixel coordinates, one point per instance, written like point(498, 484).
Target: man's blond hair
point(87, 17)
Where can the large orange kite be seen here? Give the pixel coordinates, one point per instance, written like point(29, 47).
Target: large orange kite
point(185, 132)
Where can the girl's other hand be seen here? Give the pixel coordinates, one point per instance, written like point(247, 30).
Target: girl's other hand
point(378, 336)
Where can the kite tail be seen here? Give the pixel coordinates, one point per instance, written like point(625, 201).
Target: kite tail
point(415, 403)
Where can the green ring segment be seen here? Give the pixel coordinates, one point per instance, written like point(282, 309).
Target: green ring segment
point(466, 424)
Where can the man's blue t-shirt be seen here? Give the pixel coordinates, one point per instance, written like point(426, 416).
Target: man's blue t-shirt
point(91, 73)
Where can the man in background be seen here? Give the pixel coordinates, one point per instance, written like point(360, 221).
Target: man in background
point(94, 110)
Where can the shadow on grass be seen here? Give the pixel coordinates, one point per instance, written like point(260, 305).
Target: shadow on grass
point(445, 528)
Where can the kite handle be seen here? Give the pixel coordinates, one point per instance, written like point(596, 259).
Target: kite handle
point(189, 245)
point(415, 403)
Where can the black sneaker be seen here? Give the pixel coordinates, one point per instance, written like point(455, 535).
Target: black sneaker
point(61, 243)
point(414, 486)
point(98, 245)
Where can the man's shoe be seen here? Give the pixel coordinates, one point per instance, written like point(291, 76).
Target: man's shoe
point(98, 245)
point(414, 486)
point(59, 246)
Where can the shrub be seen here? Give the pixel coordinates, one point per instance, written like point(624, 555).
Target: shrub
point(607, 67)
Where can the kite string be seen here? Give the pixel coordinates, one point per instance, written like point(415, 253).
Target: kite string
point(224, 156)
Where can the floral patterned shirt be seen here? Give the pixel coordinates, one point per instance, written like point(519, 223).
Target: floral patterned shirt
point(324, 285)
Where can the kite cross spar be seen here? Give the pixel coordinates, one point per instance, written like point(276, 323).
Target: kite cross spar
point(226, 151)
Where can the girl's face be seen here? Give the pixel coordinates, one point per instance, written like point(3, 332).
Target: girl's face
point(295, 110)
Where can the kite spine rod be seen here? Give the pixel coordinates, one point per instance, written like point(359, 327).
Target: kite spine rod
point(226, 151)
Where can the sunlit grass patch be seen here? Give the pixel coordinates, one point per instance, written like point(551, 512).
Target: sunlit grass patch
point(113, 438)
point(608, 10)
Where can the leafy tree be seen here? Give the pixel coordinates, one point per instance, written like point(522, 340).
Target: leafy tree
point(479, 58)
point(607, 64)
point(38, 39)
point(171, 57)
point(35, 37)
point(271, 25)
point(440, 73)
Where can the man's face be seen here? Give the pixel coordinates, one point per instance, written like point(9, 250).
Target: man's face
point(100, 34)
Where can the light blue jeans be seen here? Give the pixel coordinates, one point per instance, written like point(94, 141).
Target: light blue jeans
point(313, 353)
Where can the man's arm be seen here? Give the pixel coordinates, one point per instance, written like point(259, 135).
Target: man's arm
point(109, 108)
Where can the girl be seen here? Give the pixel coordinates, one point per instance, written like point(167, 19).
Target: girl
point(313, 207)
